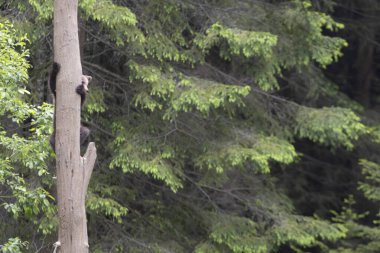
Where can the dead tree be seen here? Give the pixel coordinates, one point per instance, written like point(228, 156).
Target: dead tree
point(73, 171)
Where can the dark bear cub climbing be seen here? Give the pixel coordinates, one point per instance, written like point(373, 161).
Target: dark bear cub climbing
point(82, 90)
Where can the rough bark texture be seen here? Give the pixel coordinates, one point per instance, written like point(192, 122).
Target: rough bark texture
point(73, 171)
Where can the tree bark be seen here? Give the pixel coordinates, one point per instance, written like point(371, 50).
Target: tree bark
point(73, 171)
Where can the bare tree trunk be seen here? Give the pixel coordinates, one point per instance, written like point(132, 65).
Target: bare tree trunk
point(73, 171)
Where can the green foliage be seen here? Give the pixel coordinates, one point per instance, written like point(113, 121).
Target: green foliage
point(95, 102)
point(318, 87)
point(160, 47)
point(28, 202)
point(118, 20)
point(200, 109)
point(375, 133)
point(161, 86)
point(165, 33)
point(22, 160)
point(348, 214)
point(239, 42)
point(238, 234)
point(304, 37)
point(14, 245)
point(44, 8)
point(326, 49)
point(206, 247)
point(13, 64)
point(204, 95)
point(360, 238)
point(112, 15)
point(147, 160)
point(306, 231)
point(189, 94)
point(371, 187)
point(329, 126)
point(257, 152)
point(236, 42)
point(180, 120)
point(106, 206)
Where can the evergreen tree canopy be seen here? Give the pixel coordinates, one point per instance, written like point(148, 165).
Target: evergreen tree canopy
point(221, 126)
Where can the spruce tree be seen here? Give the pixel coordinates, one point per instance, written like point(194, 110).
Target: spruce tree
point(217, 127)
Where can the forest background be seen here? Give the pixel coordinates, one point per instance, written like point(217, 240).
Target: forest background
point(221, 126)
